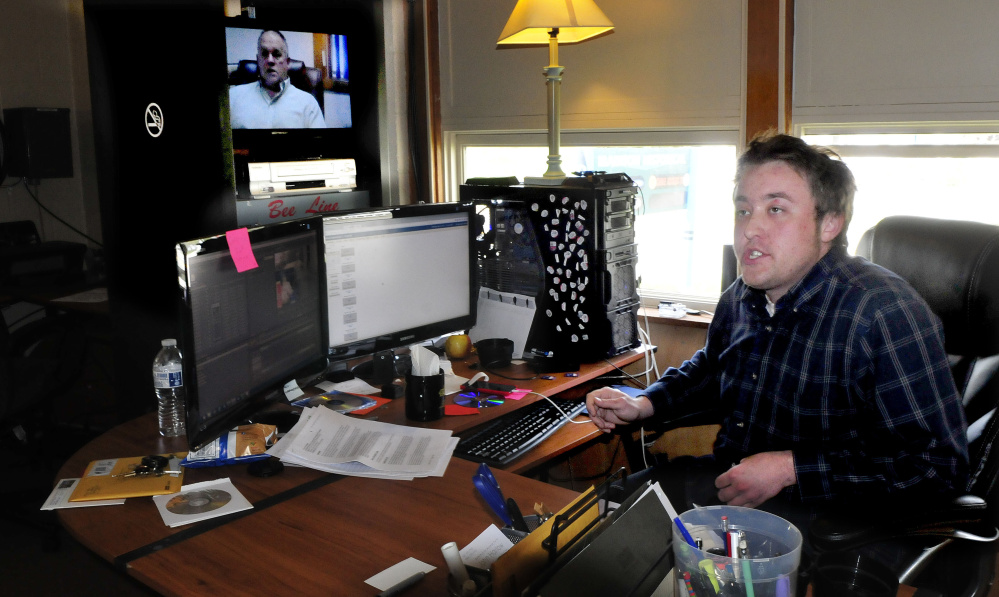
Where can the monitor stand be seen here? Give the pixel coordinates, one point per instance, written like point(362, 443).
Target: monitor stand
point(384, 367)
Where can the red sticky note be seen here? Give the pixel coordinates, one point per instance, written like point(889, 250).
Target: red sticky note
point(379, 402)
point(457, 409)
point(240, 249)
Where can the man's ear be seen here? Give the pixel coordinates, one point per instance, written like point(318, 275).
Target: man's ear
point(831, 226)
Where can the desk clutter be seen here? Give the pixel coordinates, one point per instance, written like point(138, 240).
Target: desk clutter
point(719, 551)
point(110, 481)
point(560, 554)
point(302, 506)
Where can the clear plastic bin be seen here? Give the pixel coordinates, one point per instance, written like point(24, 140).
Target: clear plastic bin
point(770, 568)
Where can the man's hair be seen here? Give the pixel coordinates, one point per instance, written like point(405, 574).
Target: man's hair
point(831, 182)
point(281, 35)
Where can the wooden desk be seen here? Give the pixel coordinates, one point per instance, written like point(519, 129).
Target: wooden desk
point(340, 531)
point(325, 541)
point(86, 299)
point(565, 439)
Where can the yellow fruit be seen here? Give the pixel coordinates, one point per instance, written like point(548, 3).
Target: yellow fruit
point(457, 346)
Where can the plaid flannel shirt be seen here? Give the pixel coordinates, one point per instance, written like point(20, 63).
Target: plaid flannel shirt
point(850, 374)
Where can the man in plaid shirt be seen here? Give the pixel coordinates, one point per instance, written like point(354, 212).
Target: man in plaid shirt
point(827, 373)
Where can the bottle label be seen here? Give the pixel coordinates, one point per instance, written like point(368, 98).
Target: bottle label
point(167, 378)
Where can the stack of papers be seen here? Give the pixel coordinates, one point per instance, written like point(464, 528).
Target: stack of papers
point(329, 441)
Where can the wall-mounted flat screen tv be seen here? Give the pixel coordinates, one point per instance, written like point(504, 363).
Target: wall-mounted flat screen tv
point(282, 79)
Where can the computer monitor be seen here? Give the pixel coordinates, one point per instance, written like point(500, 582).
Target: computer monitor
point(396, 277)
point(245, 334)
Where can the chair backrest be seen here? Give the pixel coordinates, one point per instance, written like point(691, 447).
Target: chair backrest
point(954, 266)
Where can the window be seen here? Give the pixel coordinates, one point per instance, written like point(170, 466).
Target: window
point(684, 216)
point(939, 174)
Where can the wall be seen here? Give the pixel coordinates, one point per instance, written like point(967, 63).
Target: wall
point(667, 63)
point(45, 65)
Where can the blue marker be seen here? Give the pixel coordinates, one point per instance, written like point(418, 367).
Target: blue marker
point(783, 586)
point(683, 531)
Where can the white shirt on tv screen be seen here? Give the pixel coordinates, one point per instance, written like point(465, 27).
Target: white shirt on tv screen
point(250, 107)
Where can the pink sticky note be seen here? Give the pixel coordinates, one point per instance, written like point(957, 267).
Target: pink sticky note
point(240, 249)
point(517, 394)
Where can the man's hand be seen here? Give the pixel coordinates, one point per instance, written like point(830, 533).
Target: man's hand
point(609, 408)
point(756, 479)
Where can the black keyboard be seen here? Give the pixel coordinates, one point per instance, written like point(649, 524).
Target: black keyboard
point(504, 439)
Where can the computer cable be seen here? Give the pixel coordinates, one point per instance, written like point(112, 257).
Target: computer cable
point(641, 385)
point(572, 478)
point(34, 196)
point(558, 408)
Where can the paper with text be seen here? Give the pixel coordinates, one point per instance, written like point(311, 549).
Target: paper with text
point(330, 441)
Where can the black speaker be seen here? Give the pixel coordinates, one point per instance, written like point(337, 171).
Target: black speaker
point(38, 142)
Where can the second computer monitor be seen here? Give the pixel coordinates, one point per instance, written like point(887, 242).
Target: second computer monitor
point(398, 276)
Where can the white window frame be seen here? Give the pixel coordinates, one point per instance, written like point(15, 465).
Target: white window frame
point(903, 149)
point(912, 128)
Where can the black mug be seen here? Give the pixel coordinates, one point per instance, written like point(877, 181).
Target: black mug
point(425, 397)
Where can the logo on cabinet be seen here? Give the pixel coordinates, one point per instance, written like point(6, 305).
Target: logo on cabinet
point(154, 120)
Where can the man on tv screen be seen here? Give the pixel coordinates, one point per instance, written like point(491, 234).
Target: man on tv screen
point(271, 102)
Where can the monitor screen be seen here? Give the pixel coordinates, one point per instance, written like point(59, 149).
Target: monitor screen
point(245, 334)
point(281, 79)
point(398, 276)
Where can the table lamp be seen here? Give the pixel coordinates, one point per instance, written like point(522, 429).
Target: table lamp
point(550, 22)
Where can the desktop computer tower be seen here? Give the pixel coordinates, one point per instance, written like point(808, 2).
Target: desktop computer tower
point(572, 249)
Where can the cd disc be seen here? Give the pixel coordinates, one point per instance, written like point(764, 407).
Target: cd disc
point(198, 502)
point(477, 400)
point(343, 402)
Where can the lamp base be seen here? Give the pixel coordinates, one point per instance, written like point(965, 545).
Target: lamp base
point(543, 181)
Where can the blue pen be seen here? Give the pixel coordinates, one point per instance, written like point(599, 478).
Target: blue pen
point(683, 531)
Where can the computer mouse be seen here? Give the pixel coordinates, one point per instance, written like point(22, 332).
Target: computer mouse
point(265, 468)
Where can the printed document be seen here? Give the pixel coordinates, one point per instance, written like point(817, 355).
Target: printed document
point(330, 441)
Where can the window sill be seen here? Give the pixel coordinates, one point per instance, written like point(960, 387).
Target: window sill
point(697, 321)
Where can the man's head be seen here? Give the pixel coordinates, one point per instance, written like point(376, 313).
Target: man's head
point(793, 203)
point(272, 59)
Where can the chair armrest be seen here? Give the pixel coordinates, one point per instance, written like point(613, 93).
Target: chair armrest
point(963, 517)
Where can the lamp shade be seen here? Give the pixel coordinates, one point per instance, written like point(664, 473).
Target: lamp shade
point(576, 20)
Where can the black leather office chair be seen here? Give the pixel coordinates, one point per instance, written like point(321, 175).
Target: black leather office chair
point(954, 265)
point(306, 78)
point(39, 362)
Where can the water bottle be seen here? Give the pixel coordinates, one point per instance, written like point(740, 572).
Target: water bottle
point(168, 382)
